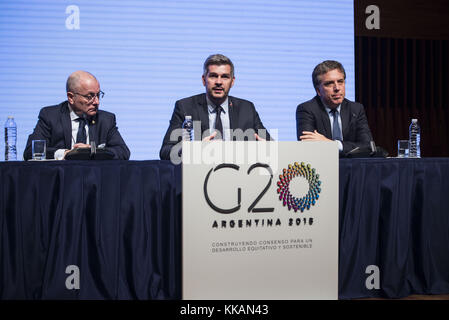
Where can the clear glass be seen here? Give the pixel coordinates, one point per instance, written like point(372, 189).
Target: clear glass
point(39, 148)
point(403, 148)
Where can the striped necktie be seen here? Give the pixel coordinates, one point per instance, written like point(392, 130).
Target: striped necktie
point(336, 132)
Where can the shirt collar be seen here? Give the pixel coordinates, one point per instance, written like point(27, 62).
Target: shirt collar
point(73, 115)
point(329, 109)
point(211, 107)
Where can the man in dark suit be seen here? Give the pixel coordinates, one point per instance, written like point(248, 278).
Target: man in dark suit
point(77, 122)
point(215, 114)
point(329, 115)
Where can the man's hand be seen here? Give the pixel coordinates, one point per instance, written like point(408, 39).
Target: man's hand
point(259, 138)
point(313, 136)
point(211, 137)
point(81, 145)
point(77, 145)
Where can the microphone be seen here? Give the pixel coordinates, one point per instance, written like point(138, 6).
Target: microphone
point(373, 148)
point(353, 151)
point(91, 121)
point(366, 151)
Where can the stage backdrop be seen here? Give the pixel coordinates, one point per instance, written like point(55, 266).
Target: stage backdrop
point(148, 54)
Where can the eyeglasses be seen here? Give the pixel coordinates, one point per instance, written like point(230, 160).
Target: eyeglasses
point(90, 97)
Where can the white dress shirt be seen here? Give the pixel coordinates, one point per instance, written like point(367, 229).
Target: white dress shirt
point(331, 119)
point(224, 116)
point(59, 154)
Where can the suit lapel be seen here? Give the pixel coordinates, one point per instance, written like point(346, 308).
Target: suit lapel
point(203, 113)
point(232, 107)
point(93, 126)
point(66, 125)
point(325, 119)
point(345, 115)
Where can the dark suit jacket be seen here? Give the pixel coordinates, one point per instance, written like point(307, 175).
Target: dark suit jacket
point(242, 115)
point(311, 115)
point(54, 126)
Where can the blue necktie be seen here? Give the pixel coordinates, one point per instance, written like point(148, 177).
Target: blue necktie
point(336, 132)
point(81, 135)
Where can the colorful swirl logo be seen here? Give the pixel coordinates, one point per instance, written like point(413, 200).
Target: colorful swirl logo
point(310, 198)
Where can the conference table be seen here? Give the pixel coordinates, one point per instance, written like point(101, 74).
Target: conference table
point(112, 229)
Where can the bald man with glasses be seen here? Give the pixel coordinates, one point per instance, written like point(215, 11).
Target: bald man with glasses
point(77, 122)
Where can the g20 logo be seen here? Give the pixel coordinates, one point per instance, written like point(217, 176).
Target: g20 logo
point(292, 202)
point(299, 170)
point(251, 208)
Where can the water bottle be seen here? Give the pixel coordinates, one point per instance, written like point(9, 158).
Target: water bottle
point(414, 139)
point(10, 139)
point(187, 129)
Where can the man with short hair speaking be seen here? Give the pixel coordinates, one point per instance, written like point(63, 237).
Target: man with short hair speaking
point(329, 115)
point(220, 114)
point(76, 122)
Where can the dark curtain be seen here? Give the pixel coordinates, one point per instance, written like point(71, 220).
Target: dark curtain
point(401, 79)
point(118, 222)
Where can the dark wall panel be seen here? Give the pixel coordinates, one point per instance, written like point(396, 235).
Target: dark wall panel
point(398, 79)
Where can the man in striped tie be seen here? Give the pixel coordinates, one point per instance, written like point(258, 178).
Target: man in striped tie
point(329, 115)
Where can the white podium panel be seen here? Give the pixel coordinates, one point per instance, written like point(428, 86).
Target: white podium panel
point(260, 220)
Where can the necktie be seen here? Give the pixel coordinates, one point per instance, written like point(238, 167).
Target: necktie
point(81, 135)
point(218, 124)
point(336, 132)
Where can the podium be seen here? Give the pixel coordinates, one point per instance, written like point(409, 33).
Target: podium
point(260, 220)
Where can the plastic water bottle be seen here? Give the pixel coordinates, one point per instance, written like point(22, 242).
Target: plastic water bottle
point(187, 129)
point(414, 139)
point(10, 139)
